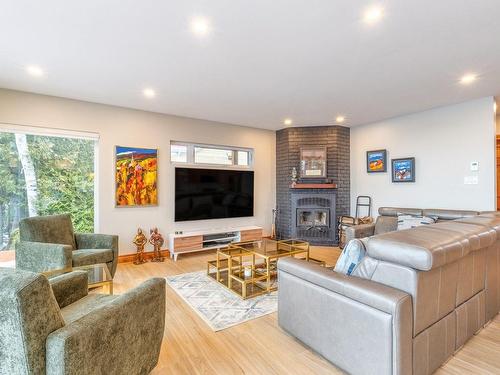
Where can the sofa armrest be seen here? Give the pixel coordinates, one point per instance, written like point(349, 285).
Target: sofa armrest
point(40, 257)
point(69, 287)
point(370, 293)
point(359, 325)
point(121, 337)
point(359, 231)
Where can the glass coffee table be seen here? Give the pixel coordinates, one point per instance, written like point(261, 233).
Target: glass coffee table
point(249, 268)
point(98, 275)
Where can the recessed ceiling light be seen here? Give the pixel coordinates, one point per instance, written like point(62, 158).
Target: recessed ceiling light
point(34, 70)
point(288, 121)
point(467, 79)
point(340, 119)
point(149, 93)
point(200, 26)
point(373, 14)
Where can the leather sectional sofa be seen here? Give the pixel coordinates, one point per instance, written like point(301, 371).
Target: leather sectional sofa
point(387, 221)
point(415, 299)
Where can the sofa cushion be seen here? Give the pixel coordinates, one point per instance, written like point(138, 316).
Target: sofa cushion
point(84, 257)
point(413, 221)
point(48, 229)
point(441, 214)
point(350, 257)
point(395, 211)
point(84, 306)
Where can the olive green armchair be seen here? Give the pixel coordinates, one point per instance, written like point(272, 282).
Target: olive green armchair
point(58, 328)
point(49, 243)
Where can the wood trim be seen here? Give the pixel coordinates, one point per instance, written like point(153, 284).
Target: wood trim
point(128, 258)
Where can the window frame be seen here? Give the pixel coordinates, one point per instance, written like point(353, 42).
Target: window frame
point(190, 155)
point(46, 131)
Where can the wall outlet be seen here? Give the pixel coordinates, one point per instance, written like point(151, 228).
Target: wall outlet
point(471, 180)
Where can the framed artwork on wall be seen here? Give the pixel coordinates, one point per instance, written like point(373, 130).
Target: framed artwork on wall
point(136, 178)
point(376, 161)
point(403, 170)
point(313, 162)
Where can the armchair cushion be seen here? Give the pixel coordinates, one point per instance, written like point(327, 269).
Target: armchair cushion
point(85, 257)
point(84, 306)
point(49, 229)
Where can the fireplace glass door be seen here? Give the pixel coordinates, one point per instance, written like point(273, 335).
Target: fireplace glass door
point(313, 217)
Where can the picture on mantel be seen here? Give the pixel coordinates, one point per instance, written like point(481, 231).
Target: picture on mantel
point(313, 162)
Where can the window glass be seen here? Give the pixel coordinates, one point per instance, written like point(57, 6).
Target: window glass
point(243, 158)
point(178, 153)
point(44, 175)
point(191, 153)
point(213, 156)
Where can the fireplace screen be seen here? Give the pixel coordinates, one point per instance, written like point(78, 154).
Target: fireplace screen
point(313, 217)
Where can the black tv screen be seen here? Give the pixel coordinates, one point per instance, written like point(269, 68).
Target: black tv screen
point(212, 194)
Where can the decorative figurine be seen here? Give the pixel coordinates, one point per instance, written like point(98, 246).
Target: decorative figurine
point(294, 176)
point(140, 241)
point(157, 241)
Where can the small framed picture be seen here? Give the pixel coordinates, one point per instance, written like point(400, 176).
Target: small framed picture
point(403, 170)
point(376, 161)
point(313, 162)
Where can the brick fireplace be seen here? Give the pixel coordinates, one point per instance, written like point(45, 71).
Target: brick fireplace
point(311, 214)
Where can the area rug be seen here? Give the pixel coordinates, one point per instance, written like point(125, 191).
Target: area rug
point(216, 305)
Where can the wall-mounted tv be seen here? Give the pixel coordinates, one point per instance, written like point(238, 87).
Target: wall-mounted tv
point(202, 194)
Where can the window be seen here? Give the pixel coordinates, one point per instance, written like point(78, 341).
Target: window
point(189, 153)
point(44, 175)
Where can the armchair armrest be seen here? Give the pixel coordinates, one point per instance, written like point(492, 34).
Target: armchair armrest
point(359, 231)
point(69, 287)
point(40, 257)
point(99, 241)
point(96, 241)
point(121, 337)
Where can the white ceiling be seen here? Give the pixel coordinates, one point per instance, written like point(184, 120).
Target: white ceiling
point(265, 60)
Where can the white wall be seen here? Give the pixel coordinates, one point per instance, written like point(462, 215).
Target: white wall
point(444, 141)
point(126, 127)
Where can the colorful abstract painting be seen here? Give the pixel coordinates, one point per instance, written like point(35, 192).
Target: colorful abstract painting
point(376, 161)
point(136, 176)
point(403, 170)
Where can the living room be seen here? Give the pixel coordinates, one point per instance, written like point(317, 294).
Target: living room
point(318, 199)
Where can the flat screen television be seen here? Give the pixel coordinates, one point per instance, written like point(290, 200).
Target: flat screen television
point(202, 194)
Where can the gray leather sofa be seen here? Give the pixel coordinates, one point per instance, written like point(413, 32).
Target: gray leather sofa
point(59, 328)
point(387, 221)
point(414, 300)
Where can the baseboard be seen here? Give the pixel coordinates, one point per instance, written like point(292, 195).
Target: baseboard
point(128, 258)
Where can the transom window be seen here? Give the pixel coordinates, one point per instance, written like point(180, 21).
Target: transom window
point(191, 153)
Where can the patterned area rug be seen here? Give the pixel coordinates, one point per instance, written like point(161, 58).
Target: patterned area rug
point(216, 305)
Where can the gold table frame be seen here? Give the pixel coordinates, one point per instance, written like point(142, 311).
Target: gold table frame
point(229, 266)
point(98, 275)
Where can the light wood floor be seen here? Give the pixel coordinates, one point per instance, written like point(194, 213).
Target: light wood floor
point(260, 346)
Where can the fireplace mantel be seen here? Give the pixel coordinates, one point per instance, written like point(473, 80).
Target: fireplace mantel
point(313, 186)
